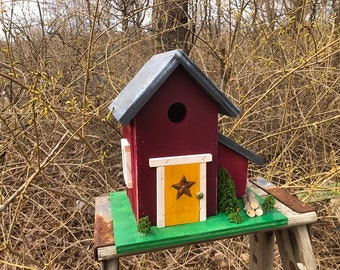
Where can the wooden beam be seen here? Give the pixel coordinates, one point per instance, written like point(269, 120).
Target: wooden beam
point(106, 253)
point(295, 248)
point(112, 264)
point(261, 251)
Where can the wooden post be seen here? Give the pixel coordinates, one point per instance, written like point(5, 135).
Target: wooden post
point(295, 248)
point(261, 251)
point(112, 264)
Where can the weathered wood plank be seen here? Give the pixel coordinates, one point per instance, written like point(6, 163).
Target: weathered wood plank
point(294, 218)
point(106, 253)
point(295, 248)
point(261, 251)
point(103, 225)
point(112, 264)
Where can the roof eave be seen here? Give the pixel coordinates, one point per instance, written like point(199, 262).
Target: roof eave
point(125, 115)
point(131, 99)
point(226, 107)
point(239, 149)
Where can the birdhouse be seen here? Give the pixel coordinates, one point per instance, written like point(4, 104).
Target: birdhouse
point(171, 147)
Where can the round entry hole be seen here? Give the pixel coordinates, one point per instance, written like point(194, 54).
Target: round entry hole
point(176, 112)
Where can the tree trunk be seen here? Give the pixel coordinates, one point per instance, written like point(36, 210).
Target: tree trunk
point(171, 23)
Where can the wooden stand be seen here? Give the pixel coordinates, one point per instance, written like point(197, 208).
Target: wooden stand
point(293, 239)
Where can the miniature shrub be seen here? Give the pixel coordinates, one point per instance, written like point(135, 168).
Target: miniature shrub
point(144, 225)
point(235, 217)
point(226, 193)
point(268, 203)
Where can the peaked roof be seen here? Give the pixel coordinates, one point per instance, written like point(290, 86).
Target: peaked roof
point(239, 149)
point(153, 74)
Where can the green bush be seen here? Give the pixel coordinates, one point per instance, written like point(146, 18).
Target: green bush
point(144, 225)
point(268, 203)
point(235, 217)
point(226, 193)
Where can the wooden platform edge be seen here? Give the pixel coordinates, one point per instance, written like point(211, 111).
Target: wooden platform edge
point(110, 252)
point(104, 240)
point(294, 218)
point(106, 253)
point(103, 225)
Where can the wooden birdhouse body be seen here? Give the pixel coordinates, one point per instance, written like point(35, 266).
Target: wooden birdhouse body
point(236, 165)
point(171, 147)
point(234, 158)
point(156, 132)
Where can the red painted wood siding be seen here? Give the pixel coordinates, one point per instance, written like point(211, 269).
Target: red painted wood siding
point(236, 165)
point(128, 132)
point(156, 136)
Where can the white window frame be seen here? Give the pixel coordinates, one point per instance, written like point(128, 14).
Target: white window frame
point(126, 160)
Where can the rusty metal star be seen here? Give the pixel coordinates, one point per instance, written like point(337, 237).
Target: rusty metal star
point(183, 187)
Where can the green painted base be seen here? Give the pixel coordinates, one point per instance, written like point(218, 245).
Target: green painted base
point(129, 240)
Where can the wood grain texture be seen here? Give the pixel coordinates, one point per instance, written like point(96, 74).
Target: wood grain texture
point(261, 251)
point(294, 218)
point(184, 209)
point(295, 248)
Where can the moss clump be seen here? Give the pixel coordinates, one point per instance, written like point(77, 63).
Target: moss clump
point(268, 203)
point(235, 217)
point(144, 225)
point(226, 193)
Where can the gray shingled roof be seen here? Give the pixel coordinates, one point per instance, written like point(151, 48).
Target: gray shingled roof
point(239, 149)
point(153, 74)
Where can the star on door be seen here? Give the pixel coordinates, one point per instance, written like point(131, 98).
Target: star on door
point(183, 187)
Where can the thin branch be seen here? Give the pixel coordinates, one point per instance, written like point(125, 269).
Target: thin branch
point(43, 165)
point(88, 65)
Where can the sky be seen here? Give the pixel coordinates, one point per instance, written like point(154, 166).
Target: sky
point(21, 11)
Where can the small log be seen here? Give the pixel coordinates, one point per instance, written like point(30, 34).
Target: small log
point(254, 203)
point(259, 212)
point(249, 211)
point(245, 199)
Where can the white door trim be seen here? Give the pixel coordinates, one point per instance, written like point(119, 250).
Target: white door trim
point(176, 160)
point(161, 163)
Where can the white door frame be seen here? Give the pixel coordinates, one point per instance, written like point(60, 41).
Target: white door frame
point(161, 163)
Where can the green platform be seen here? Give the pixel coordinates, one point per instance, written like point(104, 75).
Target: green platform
point(129, 240)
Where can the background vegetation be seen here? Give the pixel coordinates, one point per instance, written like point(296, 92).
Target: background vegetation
point(61, 64)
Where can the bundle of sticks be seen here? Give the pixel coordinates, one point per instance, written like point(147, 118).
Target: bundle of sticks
point(252, 205)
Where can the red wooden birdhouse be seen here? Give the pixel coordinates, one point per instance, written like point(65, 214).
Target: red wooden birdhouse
point(171, 147)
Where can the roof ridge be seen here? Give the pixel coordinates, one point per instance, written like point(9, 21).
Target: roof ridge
point(153, 74)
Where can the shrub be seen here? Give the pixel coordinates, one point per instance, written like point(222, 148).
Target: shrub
point(226, 193)
point(268, 203)
point(235, 217)
point(144, 225)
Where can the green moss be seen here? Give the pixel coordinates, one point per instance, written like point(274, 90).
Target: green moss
point(235, 217)
point(226, 193)
point(144, 225)
point(268, 203)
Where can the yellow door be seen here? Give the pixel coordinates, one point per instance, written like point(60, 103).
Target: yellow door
point(181, 184)
point(181, 188)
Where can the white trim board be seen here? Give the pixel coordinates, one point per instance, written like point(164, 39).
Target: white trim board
point(126, 161)
point(176, 160)
point(160, 198)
